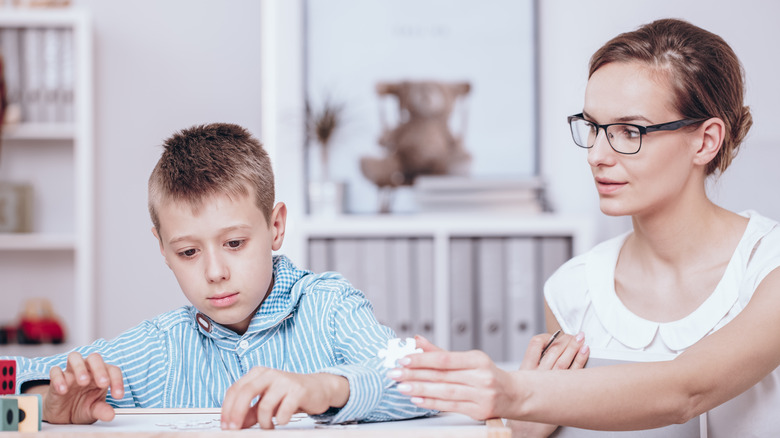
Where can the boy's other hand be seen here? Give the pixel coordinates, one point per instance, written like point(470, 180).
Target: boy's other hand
point(282, 395)
point(77, 395)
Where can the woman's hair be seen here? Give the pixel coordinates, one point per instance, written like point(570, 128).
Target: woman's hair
point(208, 160)
point(704, 72)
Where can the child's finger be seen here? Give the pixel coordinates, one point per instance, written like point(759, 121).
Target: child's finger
point(78, 368)
point(267, 406)
point(57, 380)
point(287, 408)
point(102, 411)
point(116, 385)
point(239, 397)
point(250, 419)
point(97, 368)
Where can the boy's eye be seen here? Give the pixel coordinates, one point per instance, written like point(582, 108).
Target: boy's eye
point(233, 244)
point(188, 252)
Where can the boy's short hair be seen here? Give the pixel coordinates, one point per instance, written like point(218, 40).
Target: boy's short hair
point(207, 160)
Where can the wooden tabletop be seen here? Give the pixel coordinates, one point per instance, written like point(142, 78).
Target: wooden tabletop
point(204, 423)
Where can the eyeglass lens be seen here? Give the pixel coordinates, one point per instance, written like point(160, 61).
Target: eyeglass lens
point(625, 139)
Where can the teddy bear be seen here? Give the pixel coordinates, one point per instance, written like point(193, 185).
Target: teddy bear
point(422, 142)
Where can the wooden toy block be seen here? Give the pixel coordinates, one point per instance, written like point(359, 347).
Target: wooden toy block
point(7, 376)
point(30, 407)
point(9, 414)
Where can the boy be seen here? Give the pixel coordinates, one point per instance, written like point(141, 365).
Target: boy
point(258, 326)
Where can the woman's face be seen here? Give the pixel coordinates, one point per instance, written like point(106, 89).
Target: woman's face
point(658, 175)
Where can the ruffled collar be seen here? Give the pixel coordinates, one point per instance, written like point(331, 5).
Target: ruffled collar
point(636, 332)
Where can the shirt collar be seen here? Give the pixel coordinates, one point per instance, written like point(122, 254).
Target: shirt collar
point(275, 308)
point(638, 333)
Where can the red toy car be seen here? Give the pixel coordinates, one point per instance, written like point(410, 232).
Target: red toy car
point(39, 324)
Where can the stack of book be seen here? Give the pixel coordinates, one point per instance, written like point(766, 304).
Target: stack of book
point(440, 194)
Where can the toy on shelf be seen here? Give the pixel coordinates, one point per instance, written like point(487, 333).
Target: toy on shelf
point(39, 324)
point(422, 142)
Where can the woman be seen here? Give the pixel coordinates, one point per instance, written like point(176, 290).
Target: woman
point(663, 112)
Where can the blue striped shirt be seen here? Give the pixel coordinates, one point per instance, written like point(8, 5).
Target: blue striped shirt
point(308, 323)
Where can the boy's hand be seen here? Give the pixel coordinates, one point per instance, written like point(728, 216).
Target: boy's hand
point(282, 394)
point(566, 352)
point(77, 395)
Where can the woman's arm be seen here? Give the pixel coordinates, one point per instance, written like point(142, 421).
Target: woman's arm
point(713, 371)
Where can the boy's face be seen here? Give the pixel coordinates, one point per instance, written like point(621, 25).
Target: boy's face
point(221, 254)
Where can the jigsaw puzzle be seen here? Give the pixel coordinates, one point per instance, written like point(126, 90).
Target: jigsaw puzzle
point(395, 351)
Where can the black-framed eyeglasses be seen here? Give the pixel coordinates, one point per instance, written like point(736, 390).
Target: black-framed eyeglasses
point(624, 138)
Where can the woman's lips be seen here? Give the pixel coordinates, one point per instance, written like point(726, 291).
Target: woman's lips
point(224, 300)
point(607, 186)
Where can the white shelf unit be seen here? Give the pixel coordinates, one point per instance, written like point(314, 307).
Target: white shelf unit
point(56, 259)
point(463, 280)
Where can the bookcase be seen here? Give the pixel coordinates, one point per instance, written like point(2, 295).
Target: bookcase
point(48, 71)
point(464, 281)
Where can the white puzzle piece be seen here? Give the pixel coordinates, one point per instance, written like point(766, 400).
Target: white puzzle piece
point(395, 351)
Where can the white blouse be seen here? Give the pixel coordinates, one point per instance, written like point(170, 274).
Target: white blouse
point(581, 295)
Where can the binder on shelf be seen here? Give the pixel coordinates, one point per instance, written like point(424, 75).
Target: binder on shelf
point(523, 297)
point(32, 78)
point(374, 277)
point(51, 65)
point(399, 294)
point(461, 295)
point(491, 332)
point(64, 100)
point(423, 289)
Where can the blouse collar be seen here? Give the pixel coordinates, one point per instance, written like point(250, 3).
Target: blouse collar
point(636, 332)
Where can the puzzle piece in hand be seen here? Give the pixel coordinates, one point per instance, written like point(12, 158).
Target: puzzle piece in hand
point(395, 351)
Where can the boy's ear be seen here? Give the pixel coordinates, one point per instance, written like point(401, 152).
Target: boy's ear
point(278, 223)
point(713, 133)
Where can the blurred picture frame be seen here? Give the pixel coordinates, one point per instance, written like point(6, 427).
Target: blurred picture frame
point(15, 207)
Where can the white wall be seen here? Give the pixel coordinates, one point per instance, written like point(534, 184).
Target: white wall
point(163, 66)
point(160, 66)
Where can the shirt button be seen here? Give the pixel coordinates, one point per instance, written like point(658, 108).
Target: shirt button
point(243, 344)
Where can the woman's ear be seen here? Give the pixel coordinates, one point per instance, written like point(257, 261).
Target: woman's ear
point(713, 132)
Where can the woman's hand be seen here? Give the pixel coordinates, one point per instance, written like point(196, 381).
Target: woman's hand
point(466, 382)
point(566, 352)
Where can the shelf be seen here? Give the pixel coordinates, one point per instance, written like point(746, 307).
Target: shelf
point(32, 17)
point(36, 241)
point(39, 131)
point(452, 224)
